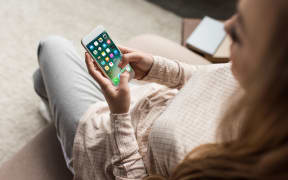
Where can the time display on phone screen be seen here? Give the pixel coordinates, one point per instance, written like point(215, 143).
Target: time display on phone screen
point(108, 56)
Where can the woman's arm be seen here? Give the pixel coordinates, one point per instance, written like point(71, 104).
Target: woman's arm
point(171, 73)
point(127, 163)
point(157, 69)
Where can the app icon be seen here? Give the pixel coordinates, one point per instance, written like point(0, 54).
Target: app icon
point(98, 57)
point(95, 52)
point(115, 52)
point(111, 55)
point(107, 59)
point(102, 63)
point(99, 48)
point(96, 43)
point(100, 40)
point(106, 68)
point(105, 36)
point(104, 45)
point(107, 50)
point(116, 80)
point(91, 47)
point(108, 41)
point(110, 64)
point(103, 54)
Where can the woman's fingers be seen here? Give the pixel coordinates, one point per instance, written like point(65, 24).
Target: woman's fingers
point(89, 63)
point(125, 50)
point(96, 74)
point(97, 67)
point(127, 58)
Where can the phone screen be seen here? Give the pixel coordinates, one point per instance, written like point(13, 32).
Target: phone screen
point(108, 56)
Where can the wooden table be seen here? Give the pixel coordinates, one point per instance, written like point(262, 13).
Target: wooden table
point(189, 25)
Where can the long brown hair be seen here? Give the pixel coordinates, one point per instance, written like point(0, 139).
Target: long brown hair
point(258, 147)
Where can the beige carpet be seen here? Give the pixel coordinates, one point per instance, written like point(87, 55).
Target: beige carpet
point(25, 22)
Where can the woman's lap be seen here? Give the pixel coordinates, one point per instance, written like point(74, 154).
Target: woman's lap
point(65, 85)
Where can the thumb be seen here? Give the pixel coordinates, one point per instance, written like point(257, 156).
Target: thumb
point(124, 78)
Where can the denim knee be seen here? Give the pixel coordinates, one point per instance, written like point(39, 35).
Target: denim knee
point(39, 85)
point(53, 45)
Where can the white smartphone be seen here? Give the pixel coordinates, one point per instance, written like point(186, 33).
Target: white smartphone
point(107, 55)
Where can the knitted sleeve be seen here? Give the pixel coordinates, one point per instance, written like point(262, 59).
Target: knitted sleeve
point(126, 161)
point(171, 73)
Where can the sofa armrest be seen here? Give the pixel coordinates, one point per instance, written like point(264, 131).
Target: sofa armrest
point(42, 158)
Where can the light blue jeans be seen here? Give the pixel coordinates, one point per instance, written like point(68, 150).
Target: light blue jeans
point(63, 83)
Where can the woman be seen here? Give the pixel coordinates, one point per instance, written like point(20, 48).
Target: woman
point(257, 148)
point(149, 129)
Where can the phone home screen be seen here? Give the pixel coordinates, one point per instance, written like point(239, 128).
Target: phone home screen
point(107, 55)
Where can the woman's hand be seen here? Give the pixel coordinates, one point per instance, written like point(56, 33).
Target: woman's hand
point(139, 61)
point(118, 98)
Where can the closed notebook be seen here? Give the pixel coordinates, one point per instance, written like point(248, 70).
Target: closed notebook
point(207, 37)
